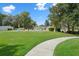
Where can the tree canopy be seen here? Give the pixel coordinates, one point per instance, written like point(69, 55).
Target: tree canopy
point(22, 20)
point(65, 14)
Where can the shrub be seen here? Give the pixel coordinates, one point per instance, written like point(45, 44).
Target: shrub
point(58, 29)
point(51, 29)
point(9, 29)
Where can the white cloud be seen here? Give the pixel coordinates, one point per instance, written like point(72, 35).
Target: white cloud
point(9, 8)
point(40, 6)
point(54, 4)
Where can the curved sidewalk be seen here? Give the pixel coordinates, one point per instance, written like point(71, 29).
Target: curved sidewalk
point(47, 48)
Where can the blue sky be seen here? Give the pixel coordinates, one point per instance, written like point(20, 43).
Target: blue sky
point(38, 11)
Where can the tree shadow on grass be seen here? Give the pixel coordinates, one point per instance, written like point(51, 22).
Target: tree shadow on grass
point(8, 50)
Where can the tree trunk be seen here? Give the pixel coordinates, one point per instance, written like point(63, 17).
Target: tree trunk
point(54, 29)
point(73, 28)
point(18, 25)
point(68, 27)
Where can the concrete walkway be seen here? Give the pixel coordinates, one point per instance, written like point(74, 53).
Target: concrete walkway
point(47, 48)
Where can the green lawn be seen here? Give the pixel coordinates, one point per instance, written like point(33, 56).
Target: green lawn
point(19, 43)
point(68, 48)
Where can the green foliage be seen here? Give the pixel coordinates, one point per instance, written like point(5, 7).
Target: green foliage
point(9, 20)
point(54, 17)
point(66, 14)
point(51, 29)
point(2, 16)
point(21, 20)
point(25, 21)
point(47, 23)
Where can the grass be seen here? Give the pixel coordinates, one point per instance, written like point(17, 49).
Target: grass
point(68, 48)
point(19, 43)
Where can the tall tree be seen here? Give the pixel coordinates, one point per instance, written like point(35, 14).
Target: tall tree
point(2, 16)
point(65, 14)
point(54, 17)
point(47, 23)
point(25, 21)
point(9, 20)
point(70, 15)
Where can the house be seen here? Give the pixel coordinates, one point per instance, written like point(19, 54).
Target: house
point(4, 28)
point(41, 28)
